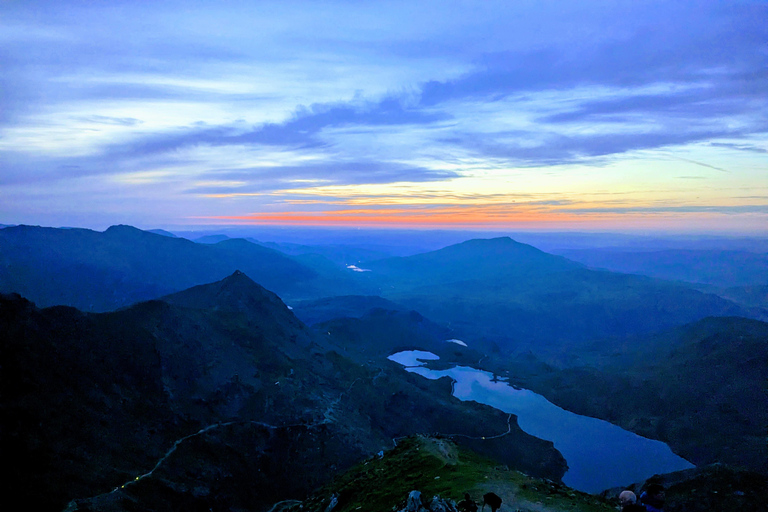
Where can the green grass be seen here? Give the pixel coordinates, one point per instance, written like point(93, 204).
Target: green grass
point(436, 466)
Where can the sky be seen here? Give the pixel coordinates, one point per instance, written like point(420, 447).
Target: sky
point(542, 115)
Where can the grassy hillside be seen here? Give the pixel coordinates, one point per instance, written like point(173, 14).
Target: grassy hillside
point(437, 466)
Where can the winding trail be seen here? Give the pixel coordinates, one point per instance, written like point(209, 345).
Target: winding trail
point(200, 432)
point(328, 417)
point(479, 438)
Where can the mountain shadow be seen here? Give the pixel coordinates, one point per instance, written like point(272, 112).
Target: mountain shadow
point(700, 388)
point(213, 398)
point(348, 306)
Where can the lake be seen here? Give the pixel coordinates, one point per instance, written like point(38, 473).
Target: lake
point(600, 455)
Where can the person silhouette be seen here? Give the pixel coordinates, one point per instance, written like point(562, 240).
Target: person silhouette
point(467, 504)
point(653, 498)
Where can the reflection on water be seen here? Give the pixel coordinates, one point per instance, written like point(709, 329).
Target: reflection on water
point(600, 455)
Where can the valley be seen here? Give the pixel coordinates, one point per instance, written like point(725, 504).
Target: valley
point(147, 372)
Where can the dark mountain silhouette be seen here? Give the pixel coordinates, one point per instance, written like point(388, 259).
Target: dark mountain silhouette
point(96, 271)
point(516, 296)
point(707, 488)
point(216, 397)
point(471, 260)
point(80, 395)
point(382, 332)
point(699, 387)
point(237, 292)
point(352, 306)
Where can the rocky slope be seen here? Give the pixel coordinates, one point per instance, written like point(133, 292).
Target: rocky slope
point(700, 388)
point(213, 398)
point(436, 466)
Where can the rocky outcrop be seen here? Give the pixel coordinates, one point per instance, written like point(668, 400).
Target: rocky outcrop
point(416, 503)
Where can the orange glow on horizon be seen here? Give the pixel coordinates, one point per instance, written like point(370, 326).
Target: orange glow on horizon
point(480, 218)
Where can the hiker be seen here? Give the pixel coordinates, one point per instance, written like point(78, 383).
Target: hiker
point(653, 498)
point(628, 502)
point(492, 500)
point(467, 504)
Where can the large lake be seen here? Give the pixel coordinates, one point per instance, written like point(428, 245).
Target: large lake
point(600, 455)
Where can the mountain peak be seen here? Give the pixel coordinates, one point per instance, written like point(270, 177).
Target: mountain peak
point(236, 292)
point(121, 228)
point(126, 231)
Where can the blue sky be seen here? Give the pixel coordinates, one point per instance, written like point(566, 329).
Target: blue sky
point(484, 115)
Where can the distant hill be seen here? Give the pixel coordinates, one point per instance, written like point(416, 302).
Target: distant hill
point(472, 260)
point(719, 268)
point(211, 239)
point(516, 296)
point(750, 296)
point(337, 253)
point(162, 232)
point(102, 271)
point(233, 401)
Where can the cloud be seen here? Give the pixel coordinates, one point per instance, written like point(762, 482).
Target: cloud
point(560, 149)
point(302, 130)
point(708, 166)
point(261, 180)
point(121, 121)
point(719, 209)
point(260, 98)
point(741, 147)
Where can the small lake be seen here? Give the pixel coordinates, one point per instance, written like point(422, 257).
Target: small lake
point(600, 455)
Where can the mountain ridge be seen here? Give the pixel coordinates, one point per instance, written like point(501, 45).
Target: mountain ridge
point(203, 392)
point(103, 271)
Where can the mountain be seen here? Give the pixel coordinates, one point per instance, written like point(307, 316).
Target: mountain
point(72, 385)
point(97, 271)
point(749, 296)
point(352, 306)
point(706, 488)
point(436, 466)
point(716, 267)
point(442, 473)
point(700, 388)
point(517, 297)
point(337, 253)
point(211, 239)
point(215, 397)
point(162, 232)
point(478, 259)
point(382, 332)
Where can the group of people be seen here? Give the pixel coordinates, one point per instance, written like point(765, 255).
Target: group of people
point(651, 500)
